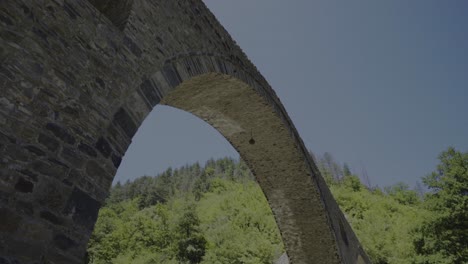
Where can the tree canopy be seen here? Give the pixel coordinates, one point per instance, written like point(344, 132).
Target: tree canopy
point(443, 237)
point(218, 214)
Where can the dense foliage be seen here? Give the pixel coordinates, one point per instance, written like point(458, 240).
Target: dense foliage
point(215, 214)
point(443, 237)
point(218, 214)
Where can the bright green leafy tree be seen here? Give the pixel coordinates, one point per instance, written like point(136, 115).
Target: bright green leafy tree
point(443, 238)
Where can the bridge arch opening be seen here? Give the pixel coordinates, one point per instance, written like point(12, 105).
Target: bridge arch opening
point(170, 137)
point(258, 132)
point(219, 178)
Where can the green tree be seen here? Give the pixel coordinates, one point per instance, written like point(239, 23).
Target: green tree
point(116, 195)
point(353, 183)
point(202, 183)
point(443, 238)
point(148, 198)
point(192, 244)
point(346, 170)
point(238, 224)
point(402, 193)
point(164, 184)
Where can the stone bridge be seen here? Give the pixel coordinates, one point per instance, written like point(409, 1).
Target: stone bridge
point(78, 77)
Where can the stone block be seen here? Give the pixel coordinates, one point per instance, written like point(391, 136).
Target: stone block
point(24, 186)
point(16, 153)
point(123, 119)
point(61, 133)
point(49, 168)
point(24, 207)
point(116, 160)
point(35, 150)
point(4, 197)
point(51, 194)
point(64, 242)
point(87, 149)
point(117, 11)
point(9, 221)
point(103, 146)
point(150, 92)
point(35, 231)
point(52, 218)
point(82, 208)
point(31, 175)
point(73, 157)
point(171, 75)
point(132, 46)
point(25, 250)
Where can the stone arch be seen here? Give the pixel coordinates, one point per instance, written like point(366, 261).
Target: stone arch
point(74, 96)
point(223, 94)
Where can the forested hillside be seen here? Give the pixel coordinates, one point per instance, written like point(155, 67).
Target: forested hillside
point(218, 214)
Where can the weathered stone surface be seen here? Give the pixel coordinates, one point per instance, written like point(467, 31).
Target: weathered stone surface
point(35, 150)
point(70, 11)
point(51, 217)
point(9, 220)
point(16, 153)
point(3, 197)
point(6, 138)
point(103, 146)
point(24, 186)
point(87, 149)
point(31, 175)
point(26, 208)
point(283, 259)
point(79, 77)
point(95, 170)
point(54, 257)
point(150, 92)
point(51, 194)
point(61, 133)
point(132, 46)
point(35, 231)
point(63, 242)
point(116, 160)
point(82, 208)
point(50, 143)
point(49, 168)
point(73, 157)
point(123, 119)
point(25, 251)
point(171, 75)
point(116, 11)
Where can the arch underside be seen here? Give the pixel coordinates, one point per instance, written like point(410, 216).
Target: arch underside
point(240, 114)
point(226, 96)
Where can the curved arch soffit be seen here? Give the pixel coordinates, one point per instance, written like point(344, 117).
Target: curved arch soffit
point(253, 120)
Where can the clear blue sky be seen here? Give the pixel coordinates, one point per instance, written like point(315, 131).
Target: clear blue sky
point(379, 84)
